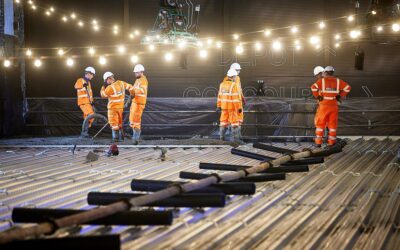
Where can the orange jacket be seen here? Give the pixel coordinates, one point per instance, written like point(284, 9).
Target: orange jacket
point(229, 96)
point(115, 94)
point(85, 95)
point(239, 83)
point(140, 90)
point(329, 87)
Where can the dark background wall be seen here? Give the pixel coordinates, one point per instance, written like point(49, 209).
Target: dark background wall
point(287, 74)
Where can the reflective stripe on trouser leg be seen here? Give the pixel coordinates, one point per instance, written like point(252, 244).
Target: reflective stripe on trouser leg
point(224, 118)
point(234, 118)
point(321, 119)
point(115, 118)
point(332, 125)
point(135, 115)
point(319, 133)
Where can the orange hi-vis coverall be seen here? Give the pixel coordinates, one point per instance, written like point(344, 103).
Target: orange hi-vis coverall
point(85, 98)
point(327, 89)
point(116, 100)
point(230, 102)
point(241, 96)
point(139, 102)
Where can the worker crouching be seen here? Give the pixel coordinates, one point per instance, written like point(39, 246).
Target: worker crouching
point(139, 93)
point(115, 92)
point(230, 105)
point(329, 90)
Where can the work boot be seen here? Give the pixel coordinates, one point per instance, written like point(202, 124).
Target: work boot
point(115, 135)
point(138, 132)
point(222, 131)
point(236, 136)
point(134, 136)
point(121, 135)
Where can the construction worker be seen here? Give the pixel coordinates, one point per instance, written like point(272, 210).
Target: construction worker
point(139, 94)
point(115, 92)
point(238, 68)
point(84, 93)
point(230, 105)
point(318, 72)
point(328, 90)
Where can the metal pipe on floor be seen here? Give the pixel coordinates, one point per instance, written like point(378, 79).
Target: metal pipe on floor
point(225, 188)
point(98, 213)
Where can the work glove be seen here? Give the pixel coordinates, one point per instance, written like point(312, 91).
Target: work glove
point(240, 111)
point(320, 98)
point(218, 109)
point(339, 98)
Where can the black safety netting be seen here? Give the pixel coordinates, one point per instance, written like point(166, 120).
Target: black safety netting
point(264, 116)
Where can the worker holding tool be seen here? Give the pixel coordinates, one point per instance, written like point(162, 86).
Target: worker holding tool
point(115, 92)
point(230, 105)
point(84, 92)
point(139, 94)
point(329, 90)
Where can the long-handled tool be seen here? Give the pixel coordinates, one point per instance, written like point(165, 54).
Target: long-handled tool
point(105, 125)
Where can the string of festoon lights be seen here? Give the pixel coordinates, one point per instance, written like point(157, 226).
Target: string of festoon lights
point(293, 38)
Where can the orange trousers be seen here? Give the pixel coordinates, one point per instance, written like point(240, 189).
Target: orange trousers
point(115, 118)
point(87, 110)
point(135, 115)
point(326, 116)
point(229, 117)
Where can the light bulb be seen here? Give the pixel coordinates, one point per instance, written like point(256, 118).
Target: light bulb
point(239, 49)
point(91, 51)
point(267, 33)
point(168, 57)
point(276, 45)
point(203, 53)
point(70, 62)
point(7, 63)
point(29, 52)
point(37, 63)
point(134, 59)
point(258, 46)
point(102, 60)
point(395, 27)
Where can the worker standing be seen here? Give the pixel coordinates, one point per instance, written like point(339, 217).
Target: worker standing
point(138, 105)
point(115, 92)
point(84, 93)
point(238, 68)
point(230, 105)
point(328, 90)
point(318, 71)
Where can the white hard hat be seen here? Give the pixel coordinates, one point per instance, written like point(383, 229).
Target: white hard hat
point(236, 66)
point(107, 75)
point(138, 68)
point(232, 72)
point(329, 68)
point(90, 70)
point(318, 70)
